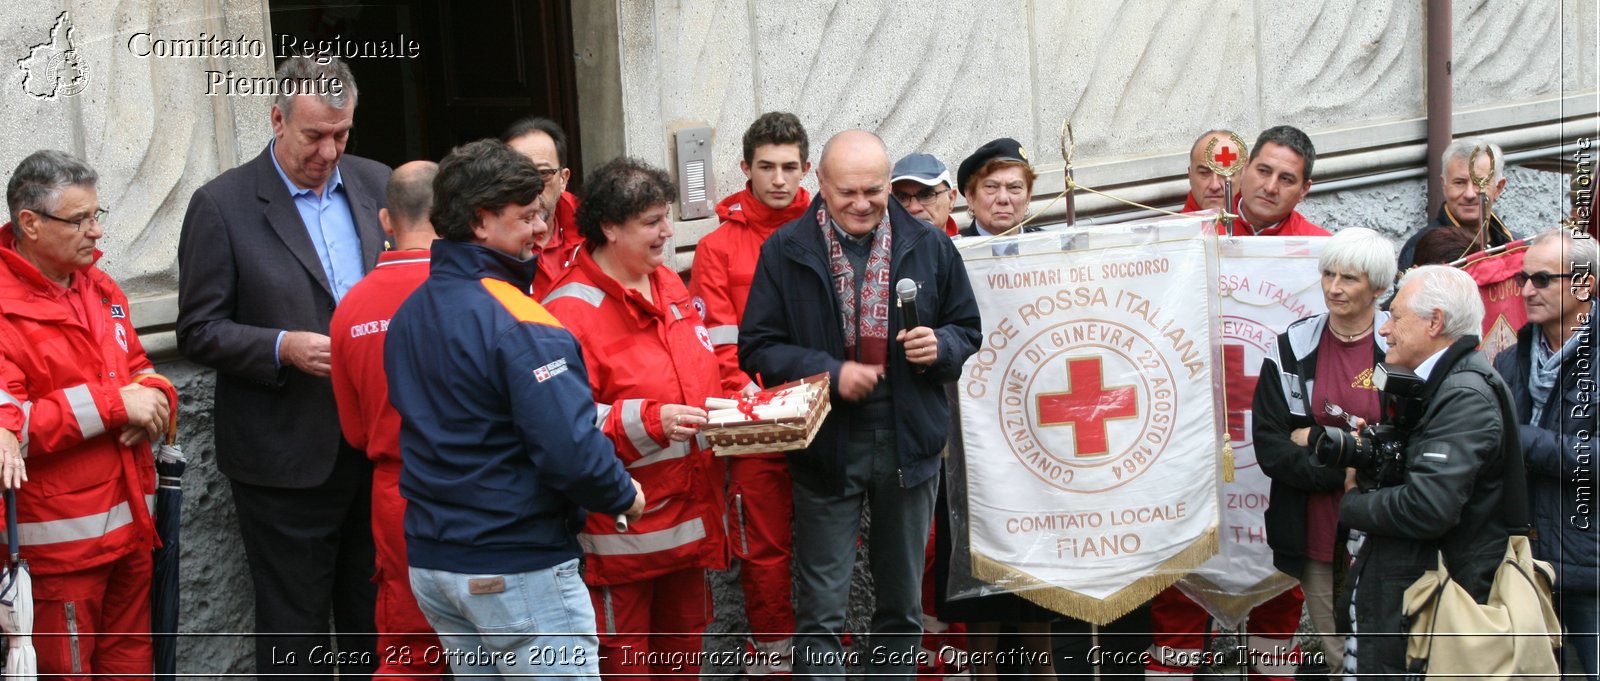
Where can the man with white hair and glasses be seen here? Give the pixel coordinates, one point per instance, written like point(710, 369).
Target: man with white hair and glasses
point(1450, 497)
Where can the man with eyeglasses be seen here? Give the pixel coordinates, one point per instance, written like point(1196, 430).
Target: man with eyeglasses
point(1551, 373)
point(1462, 206)
point(921, 184)
point(78, 392)
point(543, 142)
point(777, 155)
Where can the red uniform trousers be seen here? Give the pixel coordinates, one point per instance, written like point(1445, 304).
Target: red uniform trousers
point(666, 615)
point(1180, 632)
point(406, 642)
point(82, 620)
point(761, 498)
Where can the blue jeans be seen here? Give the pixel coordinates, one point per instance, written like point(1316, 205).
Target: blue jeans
point(827, 521)
point(531, 623)
point(1580, 616)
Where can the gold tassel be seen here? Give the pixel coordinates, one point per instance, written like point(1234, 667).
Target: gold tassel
point(1091, 609)
point(1227, 461)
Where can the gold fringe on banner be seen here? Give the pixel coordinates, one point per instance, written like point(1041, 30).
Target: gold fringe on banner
point(1236, 607)
point(1088, 608)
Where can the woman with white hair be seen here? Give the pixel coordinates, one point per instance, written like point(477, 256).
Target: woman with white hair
point(1333, 354)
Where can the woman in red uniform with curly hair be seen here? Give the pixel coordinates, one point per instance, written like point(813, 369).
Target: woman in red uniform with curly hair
point(652, 366)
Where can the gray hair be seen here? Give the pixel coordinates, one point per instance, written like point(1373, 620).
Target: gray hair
point(1581, 252)
point(1462, 148)
point(1359, 249)
point(308, 72)
point(38, 180)
point(1450, 291)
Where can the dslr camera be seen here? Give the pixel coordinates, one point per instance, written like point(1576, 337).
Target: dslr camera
point(1379, 453)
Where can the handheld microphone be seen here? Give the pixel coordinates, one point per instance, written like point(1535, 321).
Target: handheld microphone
point(905, 291)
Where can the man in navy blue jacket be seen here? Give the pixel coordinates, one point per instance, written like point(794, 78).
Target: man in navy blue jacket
point(820, 303)
point(498, 438)
point(1551, 373)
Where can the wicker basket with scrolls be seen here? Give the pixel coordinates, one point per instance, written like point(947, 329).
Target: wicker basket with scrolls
point(748, 435)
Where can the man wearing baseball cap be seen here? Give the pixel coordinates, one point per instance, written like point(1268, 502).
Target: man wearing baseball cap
point(921, 183)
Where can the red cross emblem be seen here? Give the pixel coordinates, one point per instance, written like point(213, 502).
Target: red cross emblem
point(1240, 388)
point(1086, 405)
point(1227, 157)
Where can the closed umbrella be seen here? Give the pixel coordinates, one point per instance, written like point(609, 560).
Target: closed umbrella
point(16, 603)
point(170, 464)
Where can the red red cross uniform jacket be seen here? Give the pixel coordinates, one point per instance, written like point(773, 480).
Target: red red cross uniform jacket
point(557, 254)
point(370, 423)
point(88, 498)
point(640, 357)
point(725, 264)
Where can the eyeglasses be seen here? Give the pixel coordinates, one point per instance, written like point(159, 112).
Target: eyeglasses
point(1539, 279)
point(548, 173)
point(77, 225)
point(924, 197)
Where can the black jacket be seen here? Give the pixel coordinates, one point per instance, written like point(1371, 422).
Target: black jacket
point(791, 329)
point(1295, 475)
point(1452, 501)
point(1560, 465)
point(1499, 235)
point(247, 270)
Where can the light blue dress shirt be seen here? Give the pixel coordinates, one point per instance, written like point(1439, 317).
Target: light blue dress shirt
point(332, 228)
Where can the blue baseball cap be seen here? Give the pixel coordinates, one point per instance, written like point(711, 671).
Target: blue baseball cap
point(922, 169)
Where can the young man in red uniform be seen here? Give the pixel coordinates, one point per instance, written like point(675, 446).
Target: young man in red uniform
point(776, 158)
point(1274, 181)
point(1275, 178)
point(370, 423)
point(83, 399)
point(543, 141)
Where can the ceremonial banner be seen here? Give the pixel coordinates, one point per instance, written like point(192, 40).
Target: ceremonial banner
point(1091, 437)
point(1503, 311)
point(1267, 283)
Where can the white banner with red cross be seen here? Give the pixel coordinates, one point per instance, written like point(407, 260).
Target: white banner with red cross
point(1267, 283)
point(1088, 478)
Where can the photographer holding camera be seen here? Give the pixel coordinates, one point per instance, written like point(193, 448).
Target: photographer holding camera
point(1329, 358)
point(1429, 480)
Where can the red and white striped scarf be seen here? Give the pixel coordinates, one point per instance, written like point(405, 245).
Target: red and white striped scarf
point(864, 315)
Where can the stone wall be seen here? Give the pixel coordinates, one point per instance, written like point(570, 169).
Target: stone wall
point(1138, 79)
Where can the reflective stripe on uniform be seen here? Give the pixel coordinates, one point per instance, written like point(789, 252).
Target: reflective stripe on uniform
point(91, 526)
point(727, 334)
point(601, 413)
point(85, 411)
point(608, 612)
point(584, 292)
point(27, 413)
point(1272, 656)
point(673, 537)
point(676, 450)
point(633, 425)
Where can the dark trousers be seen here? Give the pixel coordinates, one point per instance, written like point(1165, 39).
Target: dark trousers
point(310, 553)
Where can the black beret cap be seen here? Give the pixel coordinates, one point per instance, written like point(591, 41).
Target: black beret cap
point(1004, 148)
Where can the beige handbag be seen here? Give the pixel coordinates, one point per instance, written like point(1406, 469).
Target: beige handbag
point(1515, 634)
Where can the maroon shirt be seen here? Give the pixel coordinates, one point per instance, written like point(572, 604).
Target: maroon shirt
point(1344, 377)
